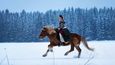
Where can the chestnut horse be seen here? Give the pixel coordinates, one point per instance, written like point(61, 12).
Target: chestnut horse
point(75, 40)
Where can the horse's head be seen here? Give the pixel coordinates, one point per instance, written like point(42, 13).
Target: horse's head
point(43, 33)
point(46, 31)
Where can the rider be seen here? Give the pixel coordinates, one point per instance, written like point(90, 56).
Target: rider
point(63, 32)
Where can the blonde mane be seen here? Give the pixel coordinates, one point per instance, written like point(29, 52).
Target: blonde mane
point(50, 29)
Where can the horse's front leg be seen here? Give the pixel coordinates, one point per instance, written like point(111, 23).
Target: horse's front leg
point(46, 53)
point(50, 48)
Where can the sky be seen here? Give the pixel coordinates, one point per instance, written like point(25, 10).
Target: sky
point(45, 5)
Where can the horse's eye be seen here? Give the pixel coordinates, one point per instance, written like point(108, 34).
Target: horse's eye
point(44, 28)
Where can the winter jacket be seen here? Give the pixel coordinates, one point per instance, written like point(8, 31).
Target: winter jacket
point(61, 24)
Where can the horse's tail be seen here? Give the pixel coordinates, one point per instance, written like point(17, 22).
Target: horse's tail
point(85, 44)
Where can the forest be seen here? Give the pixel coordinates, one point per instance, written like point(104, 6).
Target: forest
point(93, 24)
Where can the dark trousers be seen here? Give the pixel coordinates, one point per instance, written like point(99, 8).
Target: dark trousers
point(65, 33)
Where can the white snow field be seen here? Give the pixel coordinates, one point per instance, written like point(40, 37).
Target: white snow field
point(31, 54)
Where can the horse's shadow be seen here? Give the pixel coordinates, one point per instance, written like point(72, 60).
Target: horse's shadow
point(65, 58)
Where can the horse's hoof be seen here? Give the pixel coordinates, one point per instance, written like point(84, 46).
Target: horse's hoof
point(78, 56)
point(44, 55)
point(65, 54)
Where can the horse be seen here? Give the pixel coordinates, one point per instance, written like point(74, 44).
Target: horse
point(74, 42)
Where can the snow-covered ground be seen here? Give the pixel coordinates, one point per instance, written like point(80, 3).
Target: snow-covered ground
point(31, 54)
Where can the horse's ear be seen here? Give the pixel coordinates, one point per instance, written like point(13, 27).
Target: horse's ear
point(44, 26)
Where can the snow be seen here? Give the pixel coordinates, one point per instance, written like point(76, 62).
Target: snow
point(31, 54)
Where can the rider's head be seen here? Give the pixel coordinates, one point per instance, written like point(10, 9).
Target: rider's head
point(61, 19)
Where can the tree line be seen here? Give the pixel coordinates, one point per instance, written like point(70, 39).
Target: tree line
point(93, 23)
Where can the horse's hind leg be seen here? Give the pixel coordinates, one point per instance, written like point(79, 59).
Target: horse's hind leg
point(79, 51)
point(72, 49)
point(50, 48)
